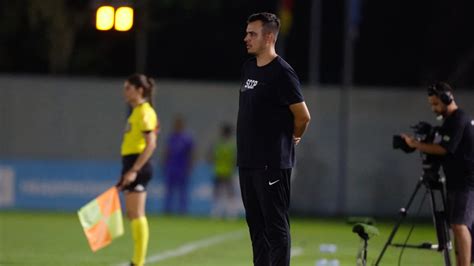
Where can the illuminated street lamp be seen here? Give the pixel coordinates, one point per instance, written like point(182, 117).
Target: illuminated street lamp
point(123, 18)
point(105, 18)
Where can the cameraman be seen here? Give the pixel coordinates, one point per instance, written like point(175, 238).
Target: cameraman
point(457, 148)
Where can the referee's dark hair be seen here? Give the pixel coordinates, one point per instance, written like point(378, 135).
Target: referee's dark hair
point(144, 82)
point(270, 22)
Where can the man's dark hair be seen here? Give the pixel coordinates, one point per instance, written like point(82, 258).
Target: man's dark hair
point(439, 88)
point(270, 22)
point(443, 91)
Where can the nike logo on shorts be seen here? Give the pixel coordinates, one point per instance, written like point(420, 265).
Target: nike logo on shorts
point(274, 182)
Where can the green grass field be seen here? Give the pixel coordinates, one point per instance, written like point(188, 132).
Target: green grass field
point(37, 238)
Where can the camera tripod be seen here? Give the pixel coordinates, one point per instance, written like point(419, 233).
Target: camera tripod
point(434, 185)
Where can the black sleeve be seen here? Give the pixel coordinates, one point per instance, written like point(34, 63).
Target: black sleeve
point(451, 134)
point(289, 88)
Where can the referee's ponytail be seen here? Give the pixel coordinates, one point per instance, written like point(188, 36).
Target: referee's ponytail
point(144, 82)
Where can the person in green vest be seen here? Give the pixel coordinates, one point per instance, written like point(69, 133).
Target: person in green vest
point(223, 158)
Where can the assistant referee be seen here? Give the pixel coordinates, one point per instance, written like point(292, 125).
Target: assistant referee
point(139, 142)
point(271, 121)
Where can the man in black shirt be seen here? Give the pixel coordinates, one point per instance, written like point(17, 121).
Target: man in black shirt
point(457, 148)
point(271, 121)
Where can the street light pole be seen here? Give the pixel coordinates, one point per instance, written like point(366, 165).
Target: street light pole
point(141, 38)
point(314, 43)
point(350, 33)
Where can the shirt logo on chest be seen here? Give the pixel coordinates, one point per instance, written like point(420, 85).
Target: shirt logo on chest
point(250, 84)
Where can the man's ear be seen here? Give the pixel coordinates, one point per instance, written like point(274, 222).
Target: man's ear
point(270, 37)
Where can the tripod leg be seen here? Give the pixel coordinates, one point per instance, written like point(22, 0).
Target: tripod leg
point(446, 221)
point(441, 226)
point(447, 258)
point(403, 214)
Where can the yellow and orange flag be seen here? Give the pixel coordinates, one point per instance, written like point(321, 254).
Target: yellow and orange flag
point(101, 219)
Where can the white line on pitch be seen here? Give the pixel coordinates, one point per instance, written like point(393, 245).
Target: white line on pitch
point(190, 247)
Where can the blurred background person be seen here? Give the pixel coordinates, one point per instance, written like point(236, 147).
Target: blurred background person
point(177, 167)
point(223, 157)
point(139, 142)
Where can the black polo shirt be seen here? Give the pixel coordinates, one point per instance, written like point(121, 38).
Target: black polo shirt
point(457, 137)
point(265, 123)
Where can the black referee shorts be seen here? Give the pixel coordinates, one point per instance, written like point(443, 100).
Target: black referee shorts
point(143, 176)
point(461, 207)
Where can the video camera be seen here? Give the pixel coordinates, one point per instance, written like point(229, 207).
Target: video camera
point(426, 133)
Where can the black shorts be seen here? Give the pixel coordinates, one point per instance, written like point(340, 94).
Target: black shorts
point(143, 176)
point(461, 207)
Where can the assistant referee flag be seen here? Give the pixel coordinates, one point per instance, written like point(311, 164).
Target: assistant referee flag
point(101, 219)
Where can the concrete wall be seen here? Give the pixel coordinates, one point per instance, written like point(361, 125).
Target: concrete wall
point(83, 118)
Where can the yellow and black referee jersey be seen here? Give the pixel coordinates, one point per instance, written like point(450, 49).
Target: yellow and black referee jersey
point(142, 119)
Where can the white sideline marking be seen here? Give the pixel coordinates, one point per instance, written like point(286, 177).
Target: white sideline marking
point(296, 251)
point(190, 247)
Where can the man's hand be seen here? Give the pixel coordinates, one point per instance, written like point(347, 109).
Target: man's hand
point(296, 140)
point(411, 141)
point(430, 148)
point(301, 119)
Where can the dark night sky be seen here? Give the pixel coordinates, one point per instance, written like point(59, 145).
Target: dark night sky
point(401, 42)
